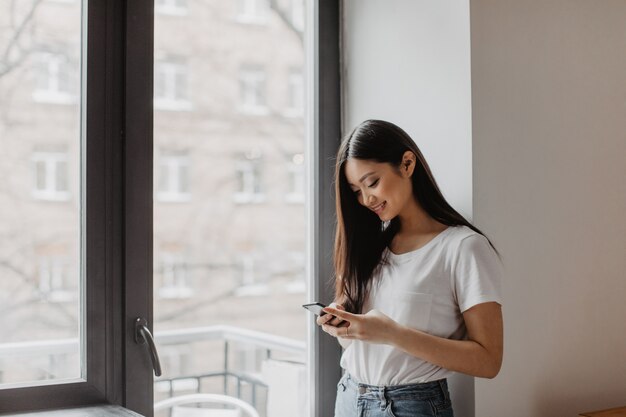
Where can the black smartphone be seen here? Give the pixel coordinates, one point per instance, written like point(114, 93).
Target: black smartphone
point(315, 308)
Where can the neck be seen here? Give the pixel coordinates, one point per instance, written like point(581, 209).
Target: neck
point(415, 221)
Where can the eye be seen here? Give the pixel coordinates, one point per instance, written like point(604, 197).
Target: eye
point(372, 185)
point(356, 192)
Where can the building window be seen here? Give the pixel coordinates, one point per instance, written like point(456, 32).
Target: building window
point(171, 80)
point(295, 91)
point(248, 172)
point(173, 177)
point(295, 169)
point(174, 275)
point(171, 7)
point(252, 90)
point(56, 282)
point(296, 261)
point(50, 176)
point(55, 80)
point(253, 11)
point(252, 281)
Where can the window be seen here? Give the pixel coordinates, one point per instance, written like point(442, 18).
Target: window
point(295, 170)
point(171, 7)
point(295, 92)
point(171, 85)
point(174, 177)
point(55, 80)
point(252, 282)
point(50, 176)
point(248, 173)
point(297, 279)
point(253, 11)
point(57, 283)
point(174, 275)
point(252, 90)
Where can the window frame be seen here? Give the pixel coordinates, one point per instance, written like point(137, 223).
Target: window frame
point(324, 126)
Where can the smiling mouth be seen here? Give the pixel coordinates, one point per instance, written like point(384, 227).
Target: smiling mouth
point(377, 209)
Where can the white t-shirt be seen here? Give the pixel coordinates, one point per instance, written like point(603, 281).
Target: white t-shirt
point(426, 289)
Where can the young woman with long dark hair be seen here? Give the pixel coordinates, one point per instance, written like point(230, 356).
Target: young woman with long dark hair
point(417, 286)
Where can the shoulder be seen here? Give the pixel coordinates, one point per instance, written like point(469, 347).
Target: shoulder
point(464, 236)
point(465, 243)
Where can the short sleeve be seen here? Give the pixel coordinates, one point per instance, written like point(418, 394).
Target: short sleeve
point(478, 273)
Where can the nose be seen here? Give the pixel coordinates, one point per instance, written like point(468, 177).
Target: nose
point(369, 199)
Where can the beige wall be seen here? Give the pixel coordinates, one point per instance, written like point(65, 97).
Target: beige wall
point(549, 165)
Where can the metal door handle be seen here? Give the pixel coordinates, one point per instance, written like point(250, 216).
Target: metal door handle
point(143, 335)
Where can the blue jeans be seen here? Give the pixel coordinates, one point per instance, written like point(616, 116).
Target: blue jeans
point(413, 400)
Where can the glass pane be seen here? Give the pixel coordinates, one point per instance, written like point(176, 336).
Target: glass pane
point(40, 199)
point(230, 235)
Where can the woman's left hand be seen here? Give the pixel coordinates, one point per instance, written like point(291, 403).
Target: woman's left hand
point(373, 327)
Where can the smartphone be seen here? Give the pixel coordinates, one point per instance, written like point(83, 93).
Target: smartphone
point(315, 308)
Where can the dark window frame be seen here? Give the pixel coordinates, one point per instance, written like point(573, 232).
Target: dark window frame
point(324, 352)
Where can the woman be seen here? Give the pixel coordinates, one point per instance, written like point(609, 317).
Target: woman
point(417, 286)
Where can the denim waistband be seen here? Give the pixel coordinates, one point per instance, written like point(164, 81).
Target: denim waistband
point(425, 390)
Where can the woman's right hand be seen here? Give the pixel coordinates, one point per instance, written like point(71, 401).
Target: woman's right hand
point(331, 320)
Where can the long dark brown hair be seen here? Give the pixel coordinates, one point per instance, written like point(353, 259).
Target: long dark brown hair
point(360, 236)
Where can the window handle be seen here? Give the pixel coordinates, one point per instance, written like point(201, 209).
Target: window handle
point(143, 335)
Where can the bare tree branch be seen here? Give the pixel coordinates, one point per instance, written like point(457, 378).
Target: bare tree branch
point(6, 64)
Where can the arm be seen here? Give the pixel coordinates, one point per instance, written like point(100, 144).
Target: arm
point(480, 355)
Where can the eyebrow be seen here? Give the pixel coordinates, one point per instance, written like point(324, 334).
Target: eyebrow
point(363, 177)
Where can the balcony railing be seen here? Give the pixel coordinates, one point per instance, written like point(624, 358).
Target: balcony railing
point(270, 344)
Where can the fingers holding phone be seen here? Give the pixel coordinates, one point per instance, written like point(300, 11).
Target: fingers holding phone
point(322, 317)
point(335, 321)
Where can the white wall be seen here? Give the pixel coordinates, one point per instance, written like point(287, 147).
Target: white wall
point(549, 117)
point(408, 62)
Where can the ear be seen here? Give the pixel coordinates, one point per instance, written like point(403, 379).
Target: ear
point(408, 164)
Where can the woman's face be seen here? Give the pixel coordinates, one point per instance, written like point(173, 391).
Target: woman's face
point(380, 186)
